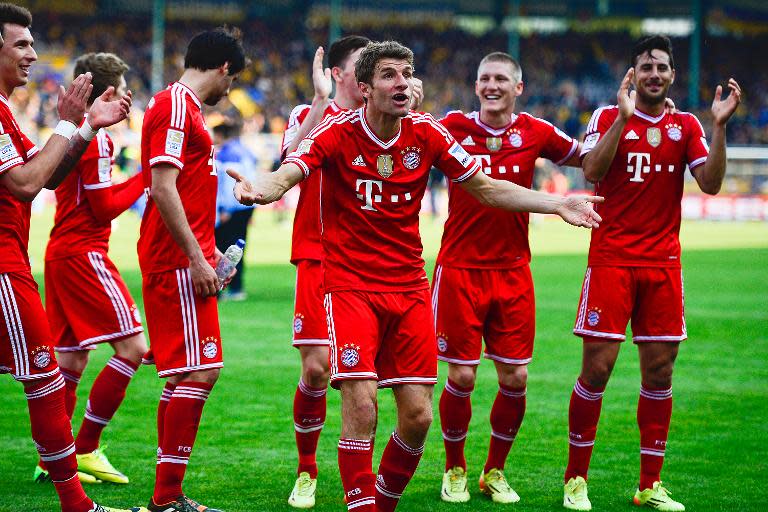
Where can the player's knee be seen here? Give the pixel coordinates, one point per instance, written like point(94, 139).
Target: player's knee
point(515, 377)
point(73, 361)
point(658, 376)
point(596, 375)
point(417, 420)
point(206, 376)
point(463, 376)
point(132, 349)
point(315, 373)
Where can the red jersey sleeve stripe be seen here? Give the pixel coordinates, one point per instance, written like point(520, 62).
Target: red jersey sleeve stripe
point(298, 161)
point(96, 186)
point(101, 137)
point(11, 163)
point(178, 108)
point(437, 126)
point(574, 146)
point(167, 160)
point(33, 151)
point(595, 120)
point(469, 173)
point(697, 162)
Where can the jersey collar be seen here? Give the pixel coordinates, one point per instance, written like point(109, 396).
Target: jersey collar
point(372, 136)
point(189, 92)
point(475, 116)
point(646, 117)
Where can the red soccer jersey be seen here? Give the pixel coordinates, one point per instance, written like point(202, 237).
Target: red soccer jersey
point(476, 236)
point(643, 187)
point(371, 196)
point(174, 133)
point(305, 243)
point(75, 229)
point(15, 149)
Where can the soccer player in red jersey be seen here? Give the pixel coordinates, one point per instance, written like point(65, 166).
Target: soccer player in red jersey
point(375, 162)
point(482, 287)
point(26, 344)
point(86, 299)
point(636, 154)
point(177, 252)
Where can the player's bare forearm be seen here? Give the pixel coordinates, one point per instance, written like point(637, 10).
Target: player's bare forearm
point(509, 196)
point(597, 162)
point(711, 174)
point(25, 181)
point(266, 188)
point(166, 197)
point(77, 147)
point(313, 118)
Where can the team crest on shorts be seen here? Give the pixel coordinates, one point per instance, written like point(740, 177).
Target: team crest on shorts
point(493, 143)
point(298, 323)
point(350, 355)
point(41, 356)
point(674, 131)
point(593, 316)
point(411, 157)
point(210, 348)
point(385, 166)
point(442, 342)
point(515, 138)
point(653, 135)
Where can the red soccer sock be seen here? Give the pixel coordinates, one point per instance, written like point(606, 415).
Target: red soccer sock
point(71, 380)
point(308, 420)
point(654, 412)
point(506, 417)
point(398, 463)
point(583, 415)
point(52, 433)
point(107, 394)
point(182, 418)
point(455, 413)
point(356, 468)
point(165, 397)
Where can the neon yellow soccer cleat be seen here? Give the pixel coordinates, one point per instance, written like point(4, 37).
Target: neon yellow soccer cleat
point(97, 465)
point(41, 476)
point(495, 485)
point(575, 494)
point(455, 486)
point(101, 508)
point(657, 497)
point(303, 493)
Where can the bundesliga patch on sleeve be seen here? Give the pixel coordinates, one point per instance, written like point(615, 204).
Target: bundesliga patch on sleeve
point(304, 146)
point(174, 141)
point(105, 170)
point(7, 149)
point(459, 154)
point(591, 141)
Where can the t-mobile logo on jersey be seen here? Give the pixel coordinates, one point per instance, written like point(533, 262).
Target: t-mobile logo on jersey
point(636, 166)
point(485, 163)
point(368, 196)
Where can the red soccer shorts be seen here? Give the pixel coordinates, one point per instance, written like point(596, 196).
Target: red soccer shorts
point(87, 302)
point(310, 327)
point(651, 297)
point(183, 327)
point(387, 337)
point(26, 348)
point(472, 305)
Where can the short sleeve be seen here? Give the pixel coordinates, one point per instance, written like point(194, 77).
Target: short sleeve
point(697, 149)
point(294, 123)
point(452, 159)
point(598, 125)
point(29, 146)
point(169, 120)
point(96, 163)
point(9, 153)
point(312, 152)
point(558, 145)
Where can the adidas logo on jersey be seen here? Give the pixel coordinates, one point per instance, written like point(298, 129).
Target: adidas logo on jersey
point(468, 141)
point(631, 135)
point(359, 161)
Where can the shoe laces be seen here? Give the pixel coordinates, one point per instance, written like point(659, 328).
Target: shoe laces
point(457, 479)
point(662, 490)
point(304, 484)
point(580, 489)
point(496, 478)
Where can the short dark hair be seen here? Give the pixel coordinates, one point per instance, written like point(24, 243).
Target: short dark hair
point(342, 48)
point(15, 15)
point(106, 68)
point(507, 58)
point(374, 52)
point(650, 43)
point(228, 128)
point(213, 48)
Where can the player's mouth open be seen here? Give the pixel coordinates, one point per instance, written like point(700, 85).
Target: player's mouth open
point(492, 96)
point(400, 97)
point(25, 69)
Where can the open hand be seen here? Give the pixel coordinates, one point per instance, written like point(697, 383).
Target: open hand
point(417, 95)
point(108, 110)
point(321, 78)
point(578, 211)
point(723, 109)
point(73, 101)
point(625, 98)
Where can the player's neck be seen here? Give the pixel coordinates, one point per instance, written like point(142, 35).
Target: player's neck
point(344, 102)
point(5, 89)
point(499, 119)
point(650, 109)
point(198, 82)
point(384, 126)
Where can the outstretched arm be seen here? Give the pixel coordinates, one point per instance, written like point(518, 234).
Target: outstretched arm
point(266, 188)
point(575, 209)
point(321, 80)
point(597, 162)
point(710, 175)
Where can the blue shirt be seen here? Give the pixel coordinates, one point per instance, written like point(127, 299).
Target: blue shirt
point(232, 155)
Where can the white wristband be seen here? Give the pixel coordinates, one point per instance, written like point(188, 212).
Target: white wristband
point(86, 132)
point(66, 129)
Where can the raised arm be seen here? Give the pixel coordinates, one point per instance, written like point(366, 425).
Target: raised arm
point(597, 162)
point(323, 84)
point(166, 197)
point(710, 175)
point(266, 188)
point(575, 209)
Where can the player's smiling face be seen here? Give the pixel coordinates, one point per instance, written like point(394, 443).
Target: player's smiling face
point(653, 76)
point(16, 56)
point(390, 92)
point(497, 86)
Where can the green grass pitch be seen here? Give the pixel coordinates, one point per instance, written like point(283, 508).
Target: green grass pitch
point(244, 458)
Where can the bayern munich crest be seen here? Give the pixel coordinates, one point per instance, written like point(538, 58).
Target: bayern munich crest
point(442, 342)
point(41, 357)
point(411, 157)
point(593, 316)
point(350, 355)
point(674, 131)
point(298, 323)
point(210, 348)
point(515, 138)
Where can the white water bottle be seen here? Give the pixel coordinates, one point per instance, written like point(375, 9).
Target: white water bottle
point(229, 261)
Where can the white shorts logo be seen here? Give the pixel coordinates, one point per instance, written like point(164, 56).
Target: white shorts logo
point(42, 357)
point(298, 323)
point(174, 141)
point(442, 344)
point(350, 355)
point(210, 350)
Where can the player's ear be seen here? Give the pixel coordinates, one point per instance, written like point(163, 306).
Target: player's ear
point(365, 89)
point(519, 88)
point(336, 73)
point(673, 76)
point(224, 68)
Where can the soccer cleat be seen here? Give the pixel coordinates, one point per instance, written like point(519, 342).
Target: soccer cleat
point(575, 494)
point(97, 465)
point(198, 507)
point(657, 497)
point(41, 476)
point(180, 504)
point(455, 486)
point(101, 508)
point(303, 493)
point(495, 485)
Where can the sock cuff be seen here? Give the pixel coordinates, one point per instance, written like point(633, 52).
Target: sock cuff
point(123, 366)
point(457, 390)
point(45, 387)
point(411, 451)
point(588, 392)
point(361, 445)
point(192, 389)
point(308, 390)
point(511, 391)
point(655, 393)
point(70, 375)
